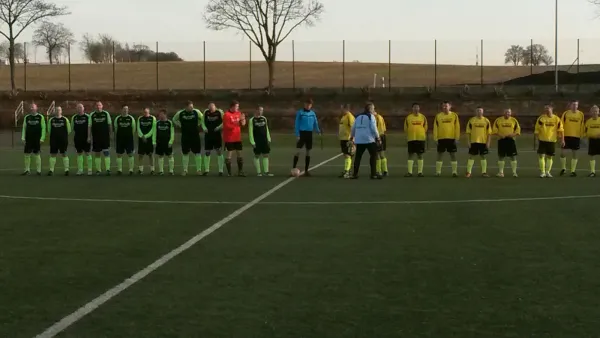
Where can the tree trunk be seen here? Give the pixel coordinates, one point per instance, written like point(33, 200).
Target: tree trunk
point(271, 65)
point(11, 58)
point(50, 55)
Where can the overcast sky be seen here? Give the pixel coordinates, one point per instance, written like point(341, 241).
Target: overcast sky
point(412, 25)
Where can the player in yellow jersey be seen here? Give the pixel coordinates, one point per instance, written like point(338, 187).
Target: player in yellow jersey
point(415, 128)
point(507, 128)
point(344, 134)
point(548, 129)
point(381, 164)
point(573, 121)
point(446, 133)
point(479, 130)
point(592, 132)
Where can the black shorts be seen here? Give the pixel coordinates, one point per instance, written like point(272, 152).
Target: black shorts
point(346, 147)
point(58, 146)
point(546, 148)
point(191, 143)
point(572, 143)
point(100, 145)
point(446, 145)
point(478, 149)
point(594, 147)
point(305, 140)
point(231, 146)
point(262, 148)
point(507, 147)
point(383, 145)
point(124, 146)
point(145, 146)
point(213, 141)
point(163, 149)
point(416, 147)
point(32, 146)
point(82, 146)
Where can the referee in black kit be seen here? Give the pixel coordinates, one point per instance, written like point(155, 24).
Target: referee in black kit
point(366, 137)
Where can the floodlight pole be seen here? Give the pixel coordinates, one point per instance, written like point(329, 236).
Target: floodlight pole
point(556, 45)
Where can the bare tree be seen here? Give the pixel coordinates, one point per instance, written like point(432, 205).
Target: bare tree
point(55, 37)
point(100, 50)
point(537, 55)
point(266, 23)
point(514, 55)
point(20, 14)
point(19, 51)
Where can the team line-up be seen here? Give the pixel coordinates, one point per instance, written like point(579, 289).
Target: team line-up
point(93, 133)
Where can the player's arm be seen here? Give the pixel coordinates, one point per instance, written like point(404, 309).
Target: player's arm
point(220, 126)
point(374, 131)
point(468, 132)
point(495, 128)
point(582, 126)
point(456, 127)
point(24, 129)
point(43, 122)
point(560, 131)
point(489, 133)
point(200, 118)
point(111, 129)
point(517, 128)
point(316, 124)
point(251, 131)
point(139, 129)
point(69, 128)
point(50, 126)
point(203, 123)
point(133, 126)
point(172, 139)
point(425, 125)
point(176, 118)
point(73, 120)
point(268, 131)
point(585, 129)
point(435, 129)
point(353, 131)
point(89, 127)
point(383, 126)
point(151, 132)
point(116, 122)
point(154, 132)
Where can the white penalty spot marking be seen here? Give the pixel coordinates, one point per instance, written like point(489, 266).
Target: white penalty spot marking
point(86, 309)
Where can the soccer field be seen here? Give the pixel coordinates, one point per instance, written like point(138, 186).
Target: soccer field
point(310, 257)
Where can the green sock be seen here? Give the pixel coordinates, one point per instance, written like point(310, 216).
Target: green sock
point(171, 164)
point(107, 162)
point(483, 166)
point(66, 163)
point(38, 162)
point(454, 165)
point(501, 165)
point(98, 163)
point(438, 167)
point(563, 163)
point(161, 164)
point(384, 166)
point(119, 164)
point(420, 166)
point(207, 162)
point(131, 163)
point(27, 162)
point(198, 160)
point(549, 161)
point(470, 163)
point(80, 163)
point(257, 164)
point(542, 164)
point(185, 162)
point(265, 162)
point(90, 161)
point(513, 166)
point(52, 163)
point(574, 164)
point(593, 166)
point(221, 162)
point(410, 165)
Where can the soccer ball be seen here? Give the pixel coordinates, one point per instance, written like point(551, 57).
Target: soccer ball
point(295, 172)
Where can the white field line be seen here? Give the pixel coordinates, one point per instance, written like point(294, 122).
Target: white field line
point(70, 319)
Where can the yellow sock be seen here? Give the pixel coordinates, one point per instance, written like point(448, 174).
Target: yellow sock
point(470, 163)
point(419, 166)
point(542, 163)
point(549, 162)
point(563, 163)
point(384, 164)
point(513, 166)
point(484, 166)
point(501, 167)
point(454, 165)
point(593, 166)
point(378, 166)
point(438, 167)
point(574, 164)
point(347, 163)
point(411, 163)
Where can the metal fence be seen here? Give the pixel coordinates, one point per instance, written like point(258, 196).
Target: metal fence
point(332, 64)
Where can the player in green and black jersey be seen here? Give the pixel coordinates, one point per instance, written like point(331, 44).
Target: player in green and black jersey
point(145, 128)
point(212, 124)
point(59, 128)
point(163, 136)
point(100, 131)
point(124, 135)
point(260, 139)
point(190, 121)
point(33, 134)
point(81, 124)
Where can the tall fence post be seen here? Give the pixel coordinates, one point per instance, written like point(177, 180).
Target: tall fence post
point(250, 64)
point(204, 64)
point(156, 57)
point(481, 65)
point(531, 57)
point(577, 76)
point(25, 61)
point(389, 65)
point(343, 65)
point(435, 65)
point(293, 65)
point(114, 84)
point(69, 59)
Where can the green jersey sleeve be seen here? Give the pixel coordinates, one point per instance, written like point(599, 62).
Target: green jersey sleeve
point(24, 130)
point(251, 130)
point(43, 122)
point(69, 130)
point(268, 132)
point(139, 129)
point(176, 119)
point(133, 125)
point(203, 124)
point(116, 123)
point(50, 126)
point(154, 133)
point(172, 139)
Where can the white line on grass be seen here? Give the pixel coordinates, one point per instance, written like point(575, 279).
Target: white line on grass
point(111, 293)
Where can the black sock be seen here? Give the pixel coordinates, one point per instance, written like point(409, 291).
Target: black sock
point(306, 163)
point(240, 163)
point(295, 161)
point(228, 165)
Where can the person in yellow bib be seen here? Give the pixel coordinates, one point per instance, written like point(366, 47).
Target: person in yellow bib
point(344, 134)
point(381, 164)
point(415, 129)
point(479, 131)
point(446, 133)
point(573, 122)
point(507, 128)
point(548, 130)
point(592, 132)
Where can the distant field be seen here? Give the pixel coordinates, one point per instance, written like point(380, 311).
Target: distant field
point(242, 75)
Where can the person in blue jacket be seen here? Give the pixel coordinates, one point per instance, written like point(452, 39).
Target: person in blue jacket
point(306, 124)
